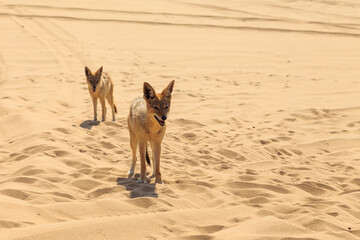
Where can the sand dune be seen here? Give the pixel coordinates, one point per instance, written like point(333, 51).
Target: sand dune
point(263, 139)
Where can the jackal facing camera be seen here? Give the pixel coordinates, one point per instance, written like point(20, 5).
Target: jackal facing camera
point(147, 124)
point(101, 87)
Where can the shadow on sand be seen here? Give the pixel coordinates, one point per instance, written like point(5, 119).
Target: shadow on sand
point(138, 189)
point(88, 124)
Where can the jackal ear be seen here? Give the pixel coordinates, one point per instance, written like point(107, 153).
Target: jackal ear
point(149, 92)
point(87, 72)
point(99, 71)
point(168, 90)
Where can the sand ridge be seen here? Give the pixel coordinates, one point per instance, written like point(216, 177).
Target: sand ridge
point(262, 139)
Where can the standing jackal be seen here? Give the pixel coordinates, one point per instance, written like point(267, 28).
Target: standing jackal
point(146, 123)
point(101, 86)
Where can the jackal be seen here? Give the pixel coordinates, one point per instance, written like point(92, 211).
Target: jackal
point(147, 124)
point(100, 86)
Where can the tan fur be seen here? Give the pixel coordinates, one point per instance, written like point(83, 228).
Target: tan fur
point(104, 88)
point(144, 128)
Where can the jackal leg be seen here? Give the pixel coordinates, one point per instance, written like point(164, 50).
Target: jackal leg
point(153, 159)
point(95, 108)
point(156, 154)
point(110, 99)
point(103, 107)
point(142, 150)
point(133, 145)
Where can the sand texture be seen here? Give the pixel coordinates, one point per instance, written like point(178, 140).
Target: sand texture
point(263, 138)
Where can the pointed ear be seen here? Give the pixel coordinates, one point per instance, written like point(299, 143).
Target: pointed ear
point(168, 90)
point(99, 71)
point(87, 72)
point(149, 92)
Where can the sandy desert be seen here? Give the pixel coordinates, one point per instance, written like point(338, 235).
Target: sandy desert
point(263, 138)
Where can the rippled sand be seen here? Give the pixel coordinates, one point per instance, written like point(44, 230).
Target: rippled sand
point(263, 140)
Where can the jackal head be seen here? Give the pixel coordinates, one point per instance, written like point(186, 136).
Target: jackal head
point(158, 105)
point(93, 79)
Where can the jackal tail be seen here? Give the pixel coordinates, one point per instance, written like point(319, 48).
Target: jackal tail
point(147, 156)
point(115, 108)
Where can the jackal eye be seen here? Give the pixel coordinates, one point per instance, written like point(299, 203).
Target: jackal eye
point(156, 108)
point(166, 107)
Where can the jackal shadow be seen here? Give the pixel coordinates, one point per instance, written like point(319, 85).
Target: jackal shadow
point(88, 124)
point(138, 189)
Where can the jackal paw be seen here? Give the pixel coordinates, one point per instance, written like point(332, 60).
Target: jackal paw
point(95, 119)
point(152, 176)
point(141, 181)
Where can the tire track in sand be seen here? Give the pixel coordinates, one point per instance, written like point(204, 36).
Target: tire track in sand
point(64, 47)
point(56, 39)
